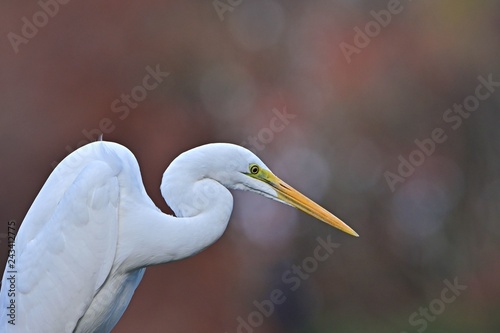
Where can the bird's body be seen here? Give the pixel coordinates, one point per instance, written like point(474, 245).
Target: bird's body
point(85, 242)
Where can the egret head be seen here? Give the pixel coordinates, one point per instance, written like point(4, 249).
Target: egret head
point(238, 168)
point(245, 171)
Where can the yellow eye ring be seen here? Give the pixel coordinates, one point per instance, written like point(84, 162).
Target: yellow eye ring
point(254, 169)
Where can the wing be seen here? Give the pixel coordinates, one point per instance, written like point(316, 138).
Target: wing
point(65, 247)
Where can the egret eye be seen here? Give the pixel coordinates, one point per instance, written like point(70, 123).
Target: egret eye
point(254, 169)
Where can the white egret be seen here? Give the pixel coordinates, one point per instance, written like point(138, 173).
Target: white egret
point(84, 244)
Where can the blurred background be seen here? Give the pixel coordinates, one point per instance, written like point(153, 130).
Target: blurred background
point(332, 95)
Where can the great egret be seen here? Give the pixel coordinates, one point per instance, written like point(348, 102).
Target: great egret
point(85, 242)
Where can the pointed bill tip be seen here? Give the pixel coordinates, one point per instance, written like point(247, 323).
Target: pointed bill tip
point(293, 197)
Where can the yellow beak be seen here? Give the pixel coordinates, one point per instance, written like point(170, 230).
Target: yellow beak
point(293, 197)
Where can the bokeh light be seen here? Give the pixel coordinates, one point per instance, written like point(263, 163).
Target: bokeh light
point(275, 77)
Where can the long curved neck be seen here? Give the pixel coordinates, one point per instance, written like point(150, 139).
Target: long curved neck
point(201, 203)
point(203, 209)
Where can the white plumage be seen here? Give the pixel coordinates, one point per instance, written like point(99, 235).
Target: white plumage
point(85, 242)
